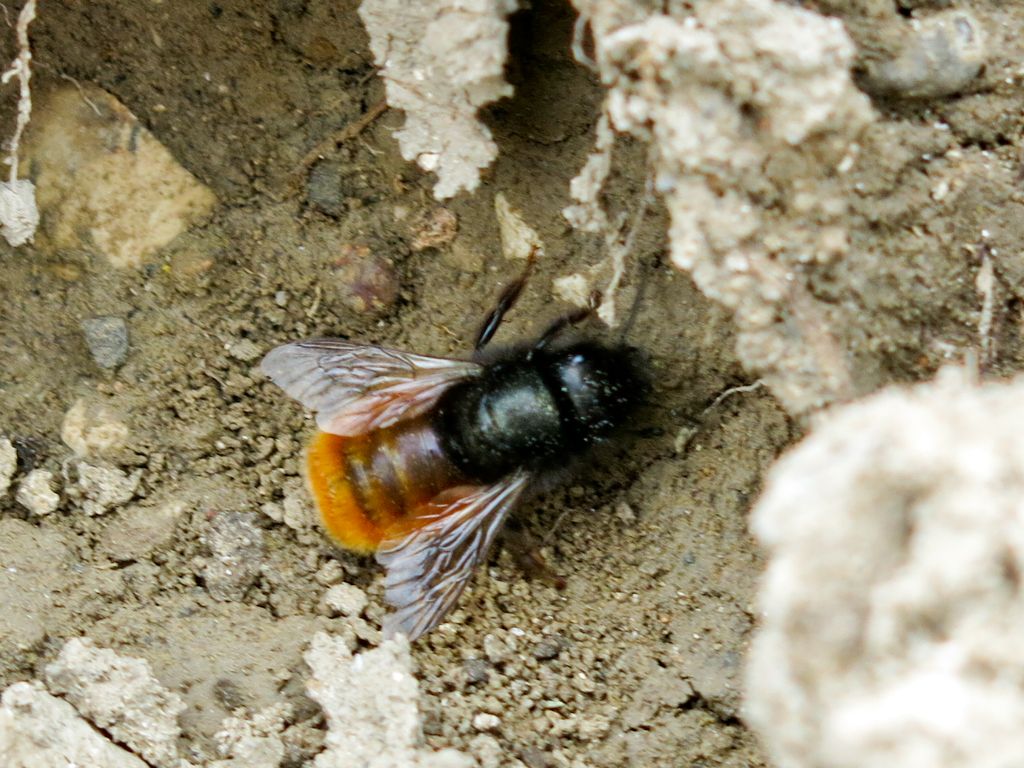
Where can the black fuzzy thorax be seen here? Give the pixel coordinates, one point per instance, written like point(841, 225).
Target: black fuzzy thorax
point(537, 409)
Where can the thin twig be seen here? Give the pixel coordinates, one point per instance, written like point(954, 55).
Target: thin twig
point(732, 391)
point(339, 137)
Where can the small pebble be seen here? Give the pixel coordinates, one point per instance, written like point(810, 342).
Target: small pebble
point(593, 727)
point(488, 752)
point(651, 568)
point(330, 573)
point(449, 758)
point(236, 546)
point(102, 488)
point(36, 494)
point(584, 684)
point(477, 671)
point(625, 513)
point(107, 339)
point(245, 350)
point(8, 464)
point(434, 229)
point(142, 530)
point(486, 722)
point(324, 188)
point(345, 600)
point(496, 650)
point(297, 513)
point(547, 649)
point(92, 427)
point(273, 510)
point(534, 757)
point(365, 281)
point(943, 54)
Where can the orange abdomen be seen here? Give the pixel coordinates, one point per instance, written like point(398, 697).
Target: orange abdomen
point(365, 484)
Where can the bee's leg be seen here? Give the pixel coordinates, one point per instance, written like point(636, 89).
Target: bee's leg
point(568, 319)
point(525, 550)
point(505, 302)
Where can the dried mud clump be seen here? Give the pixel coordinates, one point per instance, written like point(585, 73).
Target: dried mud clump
point(893, 626)
point(121, 696)
point(371, 702)
point(751, 116)
point(441, 62)
point(36, 494)
point(39, 730)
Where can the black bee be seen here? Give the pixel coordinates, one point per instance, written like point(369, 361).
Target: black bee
point(420, 459)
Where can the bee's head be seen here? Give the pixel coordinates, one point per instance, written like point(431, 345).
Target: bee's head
point(603, 385)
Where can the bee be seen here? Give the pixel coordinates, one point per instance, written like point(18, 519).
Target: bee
point(419, 460)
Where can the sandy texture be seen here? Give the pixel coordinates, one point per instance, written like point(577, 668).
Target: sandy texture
point(638, 661)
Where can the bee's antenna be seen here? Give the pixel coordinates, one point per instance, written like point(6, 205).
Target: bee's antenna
point(506, 301)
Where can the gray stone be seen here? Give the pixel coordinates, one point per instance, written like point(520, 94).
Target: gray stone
point(107, 338)
point(236, 544)
point(324, 189)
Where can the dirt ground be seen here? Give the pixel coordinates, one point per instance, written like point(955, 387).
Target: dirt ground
point(639, 660)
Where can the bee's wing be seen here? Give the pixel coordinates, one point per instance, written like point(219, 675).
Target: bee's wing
point(430, 556)
point(355, 388)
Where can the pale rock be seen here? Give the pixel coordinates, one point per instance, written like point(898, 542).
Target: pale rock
point(142, 530)
point(39, 730)
point(297, 512)
point(441, 62)
point(345, 600)
point(103, 181)
point(101, 488)
point(36, 494)
point(484, 721)
point(19, 214)
point(574, 289)
point(487, 751)
point(496, 650)
point(252, 742)
point(892, 625)
point(330, 573)
point(120, 695)
point(245, 350)
point(8, 465)
point(518, 239)
point(593, 727)
point(719, 89)
point(92, 428)
point(236, 546)
point(371, 704)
